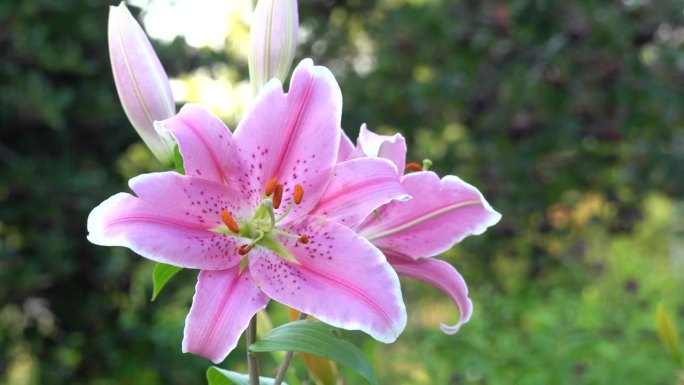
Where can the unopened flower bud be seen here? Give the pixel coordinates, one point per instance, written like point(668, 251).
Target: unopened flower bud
point(141, 82)
point(273, 40)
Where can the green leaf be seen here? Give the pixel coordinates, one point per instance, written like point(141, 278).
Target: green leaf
point(667, 332)
point(316, 338)
point(178, 160)
point(218, 376)
point(161, 276)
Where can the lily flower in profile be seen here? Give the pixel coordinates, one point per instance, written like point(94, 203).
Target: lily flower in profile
point(141, 82)
point(273, 40)
point(252, 215)
point(441, 213)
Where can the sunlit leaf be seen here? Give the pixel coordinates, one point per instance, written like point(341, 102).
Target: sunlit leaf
point(316, 338)
point(667, 332)
point(218, 376)
point(161, 276)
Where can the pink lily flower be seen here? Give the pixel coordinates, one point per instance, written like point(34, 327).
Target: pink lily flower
point(249, 214)
point(441, 213)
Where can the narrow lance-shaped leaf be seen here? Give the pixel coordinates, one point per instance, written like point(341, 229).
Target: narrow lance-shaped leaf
point(321, 370)
point(667, 332)
point(218, 376)
point(316, 338)
point(161, 275)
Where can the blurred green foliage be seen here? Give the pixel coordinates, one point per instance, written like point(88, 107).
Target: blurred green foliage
point(568, 115)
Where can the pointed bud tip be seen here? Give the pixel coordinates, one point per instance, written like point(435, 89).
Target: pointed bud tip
point(273, 41)
point(141, 82)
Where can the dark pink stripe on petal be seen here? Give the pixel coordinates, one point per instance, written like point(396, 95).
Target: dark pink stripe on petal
point(340, 279)
point(203, 141)
point(359, 186)
point(440, 214)
point(173, 220)
point(223, 304)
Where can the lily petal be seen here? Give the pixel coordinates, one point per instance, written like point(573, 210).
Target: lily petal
point(170, 221)
point(444, 277)
point(203, 141)
point(441, 213)
point(382, 146)
point(340, 278)
point(346, 148)
point(224, 302)
point(293, 137)
point(359, 186)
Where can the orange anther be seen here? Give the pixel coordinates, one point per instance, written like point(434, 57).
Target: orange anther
point(244, 249)
point(271, 186)
point(298, 193)
point(413, 167)
point(229, 221)
point(277, 196)
point(303, 239)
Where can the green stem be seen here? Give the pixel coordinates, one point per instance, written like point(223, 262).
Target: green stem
point(286, 361)
point(252, 364)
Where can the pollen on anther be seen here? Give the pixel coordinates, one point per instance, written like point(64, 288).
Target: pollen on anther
point(298, 193)
point(303, 239)
point(229, 221)
point(277, 196)
point(413, 167)
point(271, 186)
point(244, 249)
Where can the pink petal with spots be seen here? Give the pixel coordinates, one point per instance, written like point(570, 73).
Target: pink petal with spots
point(359, 186)
point(203, 141)
point(291, 136)
point(382, 146)
point(224, 302)
point(346, 148)
point(341, 279)
point(444, 277)
point(441, 214)
point(170, 221)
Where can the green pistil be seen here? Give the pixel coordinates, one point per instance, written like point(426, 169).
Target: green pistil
point(259, 229)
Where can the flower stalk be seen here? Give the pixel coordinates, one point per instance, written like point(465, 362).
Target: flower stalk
point(286, 360)
point(252, 363)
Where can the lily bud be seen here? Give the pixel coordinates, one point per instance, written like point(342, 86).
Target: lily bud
point(141, 82)
point(273, 40)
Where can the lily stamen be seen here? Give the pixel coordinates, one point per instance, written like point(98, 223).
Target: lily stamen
point(413, 167)
point(271, 186)
point(229, 221)
point(287, 211)
point(277, 196)
point(298, 193)
point(303, 239)
point(286, 234)
point(244, 249)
